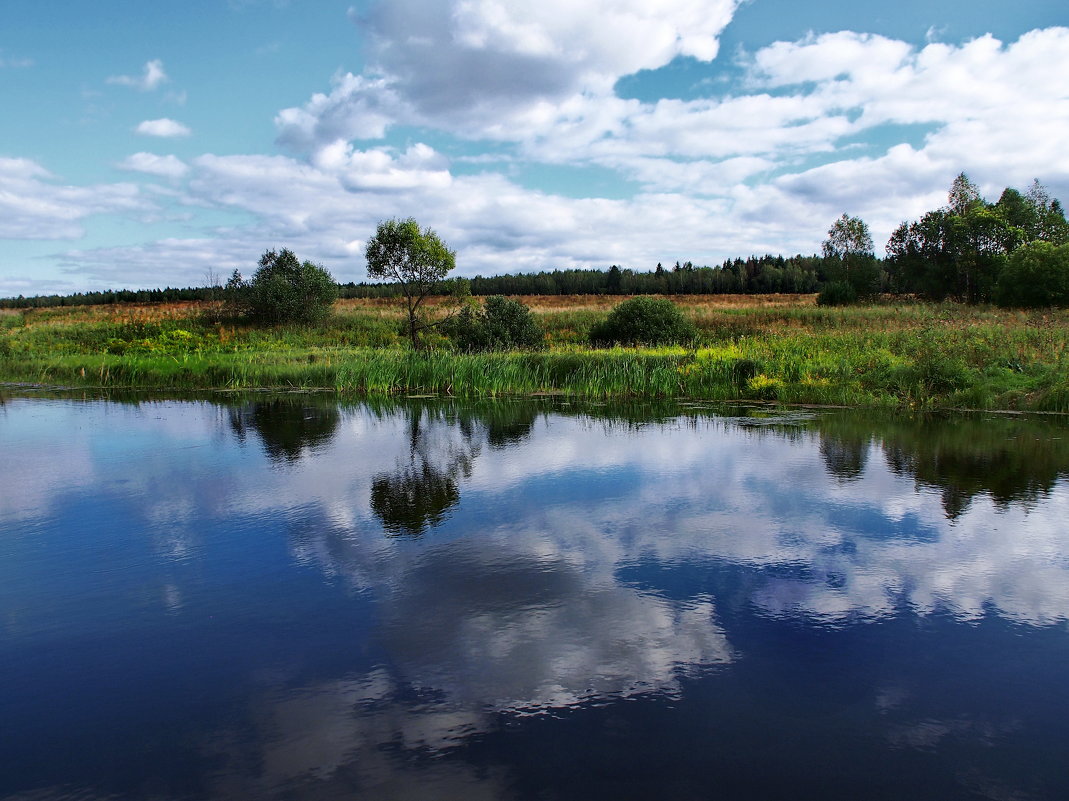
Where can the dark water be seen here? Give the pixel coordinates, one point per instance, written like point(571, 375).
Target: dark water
point(291, 599)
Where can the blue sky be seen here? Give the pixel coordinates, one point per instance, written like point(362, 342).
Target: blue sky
point(151, 144)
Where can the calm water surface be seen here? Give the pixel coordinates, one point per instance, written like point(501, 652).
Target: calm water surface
point(290, 598)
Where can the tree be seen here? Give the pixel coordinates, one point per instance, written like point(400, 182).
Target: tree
point(848, 236)
point(416, 259)
point(1050, 223)
point(283, 290)
point(849, 260)
point(963, 195)
point(1036, 275)
point(959, 250)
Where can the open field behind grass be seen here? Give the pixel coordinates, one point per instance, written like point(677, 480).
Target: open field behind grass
point(773, 347)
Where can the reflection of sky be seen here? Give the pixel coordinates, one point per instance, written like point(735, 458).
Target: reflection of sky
point(563, 577)
point(596, 495)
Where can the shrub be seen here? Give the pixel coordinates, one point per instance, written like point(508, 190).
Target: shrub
point(283, 290)
point(1036, 275)
point(644, 320)
point(501, 324)
point(837, 293)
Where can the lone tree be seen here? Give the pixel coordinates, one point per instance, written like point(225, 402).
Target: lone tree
point(849, 262)
point(416, 259)
point(283, 290)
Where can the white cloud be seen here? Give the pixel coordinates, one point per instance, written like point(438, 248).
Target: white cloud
point(163, 127)
point(33, 206)
point(169, 166)
point(152, 76)
point(419, 166)
point(763, 168)
point(474, 65)
point(544, 86)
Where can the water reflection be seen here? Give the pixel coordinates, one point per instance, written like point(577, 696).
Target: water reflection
point(423, 486)
point(1009, 460)
point(288, 429)
point(587, 603)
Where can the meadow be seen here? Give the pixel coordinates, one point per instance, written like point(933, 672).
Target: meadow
point(778, 348)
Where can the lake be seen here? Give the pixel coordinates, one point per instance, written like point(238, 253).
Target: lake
point(271, 597)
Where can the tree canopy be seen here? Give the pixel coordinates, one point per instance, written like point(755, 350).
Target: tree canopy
point(283, 290)
point(850, 265)
point(961, 250)
point(415, 259)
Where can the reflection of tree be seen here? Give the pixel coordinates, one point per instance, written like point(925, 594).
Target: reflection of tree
point(1010, 460)
point(844, 458)
point(411, 500)
point(418, 494)
point(509, 424)
point(443, 442)
point(287, 428)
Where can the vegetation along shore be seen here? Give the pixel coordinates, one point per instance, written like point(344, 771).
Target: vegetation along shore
point(762, 347)
point(917, 329)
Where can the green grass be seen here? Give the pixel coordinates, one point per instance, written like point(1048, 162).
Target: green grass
point(905, 355)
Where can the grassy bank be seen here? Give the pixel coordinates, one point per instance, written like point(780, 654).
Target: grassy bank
point(779, 348)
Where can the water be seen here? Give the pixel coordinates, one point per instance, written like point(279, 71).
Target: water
point(288, 598)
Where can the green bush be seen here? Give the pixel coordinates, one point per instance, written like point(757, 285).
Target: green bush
point(1036, 275)
point(283, 290)
point(501, 324)
point(644, 320)
point(837, 293)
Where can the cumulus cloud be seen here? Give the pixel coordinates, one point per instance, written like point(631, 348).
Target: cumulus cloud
point(815, 129)
point(475, 64)
point(163, 127)
point(151, 77)
point(169, 166)
point(789, 145)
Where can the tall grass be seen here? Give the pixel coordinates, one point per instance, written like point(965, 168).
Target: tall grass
point(907, 355)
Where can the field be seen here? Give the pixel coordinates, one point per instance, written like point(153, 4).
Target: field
point(771, 347)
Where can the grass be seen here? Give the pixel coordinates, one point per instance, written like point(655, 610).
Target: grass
point(774, 348)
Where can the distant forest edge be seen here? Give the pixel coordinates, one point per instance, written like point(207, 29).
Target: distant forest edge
point(755, 275)
point(1014, 252)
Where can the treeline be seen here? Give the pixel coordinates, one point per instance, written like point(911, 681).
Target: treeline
point(755, 275)
point(109, 296)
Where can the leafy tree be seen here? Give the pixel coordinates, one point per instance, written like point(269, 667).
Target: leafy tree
point(963, 196)
point(644, 320)
point(1050, 223)
point(848, 236)
point(416, 259)
point(1020, 214)
point(849, 260)
point(283, 290)
point(1036, 275)
point(957, 251)
point(501, 324)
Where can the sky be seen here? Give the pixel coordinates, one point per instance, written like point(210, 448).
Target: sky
point(151, 144)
